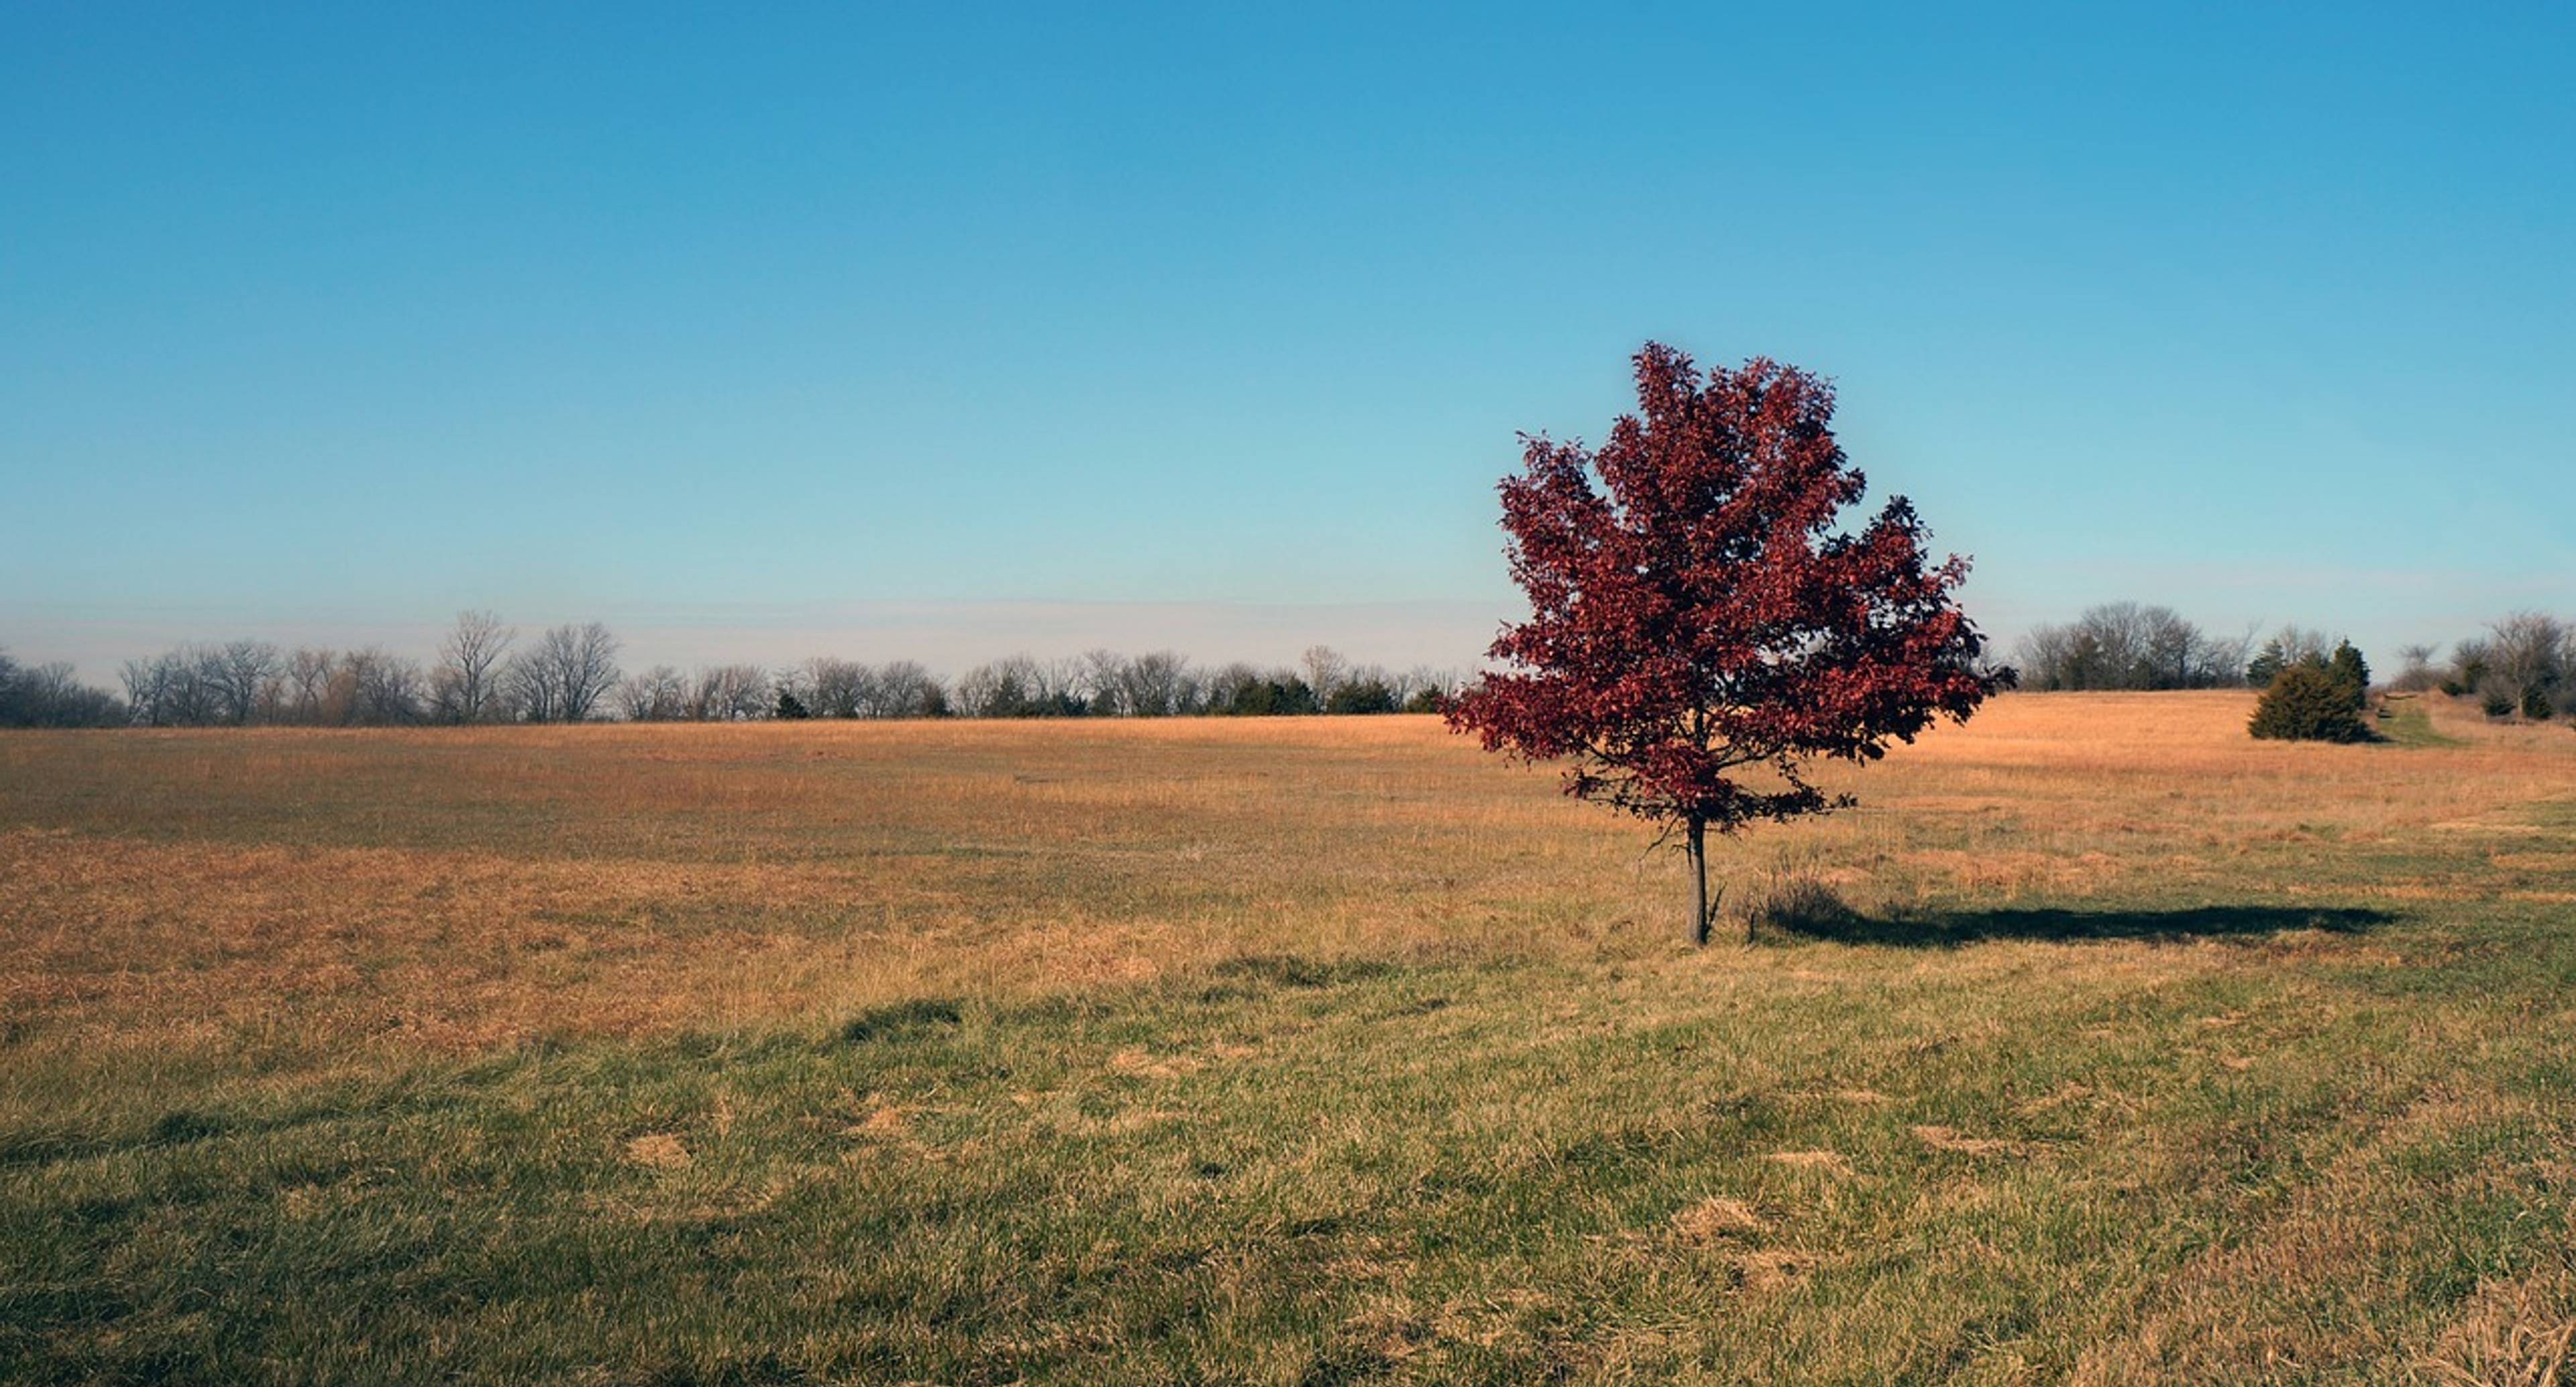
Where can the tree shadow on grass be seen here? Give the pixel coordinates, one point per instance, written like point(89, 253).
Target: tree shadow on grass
point(1953, 929)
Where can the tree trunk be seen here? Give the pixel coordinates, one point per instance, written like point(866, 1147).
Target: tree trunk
point(1699, 882)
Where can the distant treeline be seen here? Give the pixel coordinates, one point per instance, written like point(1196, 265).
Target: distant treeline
point(2122, 645)
point(485, 673)
point(2523, 665)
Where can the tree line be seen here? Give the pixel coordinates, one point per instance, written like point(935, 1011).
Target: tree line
point(2523, 665)
point(484, 672)
point(2124, 645)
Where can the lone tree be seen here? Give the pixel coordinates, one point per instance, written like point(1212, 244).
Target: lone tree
point(1696, 615)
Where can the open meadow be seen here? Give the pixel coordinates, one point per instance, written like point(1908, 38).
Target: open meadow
point(1282, 1050)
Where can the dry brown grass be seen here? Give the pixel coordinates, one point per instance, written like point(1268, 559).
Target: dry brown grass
point(2103, 1044)
point(463, 889)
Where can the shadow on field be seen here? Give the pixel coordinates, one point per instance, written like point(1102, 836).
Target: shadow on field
point(1951, 929)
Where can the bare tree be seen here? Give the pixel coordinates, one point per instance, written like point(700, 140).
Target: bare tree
point(2415, 673)
point(1422, 681)
point(240, 673)
point(839, 688)
point(1104, 687)
point(1156, 685)
point(1324, 670)
point(564, 675)
point(470, 660)
point(1059, 687)
point(791, 692)
point(903, 689)
point(51, 696)
point(147, 690)
point(2291, 645)
point(729, 693)
point(2526, 657)
point(659, 694)
point(2124, 645)
point(1003, 688)
point(308, 682)
point(384, 690)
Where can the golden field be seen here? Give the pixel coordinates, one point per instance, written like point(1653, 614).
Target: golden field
point(463, 888)
point(1290, 1050)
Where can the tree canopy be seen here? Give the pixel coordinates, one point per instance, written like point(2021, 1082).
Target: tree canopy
point(1700, 628)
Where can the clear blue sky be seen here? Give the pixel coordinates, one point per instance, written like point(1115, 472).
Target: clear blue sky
point(778, 333)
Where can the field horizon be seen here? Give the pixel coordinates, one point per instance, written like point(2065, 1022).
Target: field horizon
point(2101, 1044)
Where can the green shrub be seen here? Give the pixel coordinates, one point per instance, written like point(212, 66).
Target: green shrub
point(2536, 705)
point(2307, 703)
point(1361, 696)
point(2497, 703)
point(1263, 698)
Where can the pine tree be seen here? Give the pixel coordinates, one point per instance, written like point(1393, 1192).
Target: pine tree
point(2352, 672)
point(2308, 703)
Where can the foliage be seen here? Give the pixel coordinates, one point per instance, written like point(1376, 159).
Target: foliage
point(2288, 646)
point(2351, 672)
point(2308, 703)
point(1362, 696)
point(1695, 615)
point(1275, 695)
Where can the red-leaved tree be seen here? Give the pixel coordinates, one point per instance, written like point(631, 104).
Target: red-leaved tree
point(1700, 628)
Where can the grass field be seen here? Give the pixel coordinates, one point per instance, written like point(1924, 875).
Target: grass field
point(1294, 1051)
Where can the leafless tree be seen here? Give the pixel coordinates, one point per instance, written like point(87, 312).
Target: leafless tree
point(564, 675)
point(729, 693)
point(2294, 645)
point(2125, 645)
point(1156, 684)
point(2415, 673)
point(470, 660)
point(2526, 654)
point(1103, 684)
point(1422, 681)
point(1324, 669)
point(147, 690)
point(1059, 685)
point(834, 688)
point(903, 689)
point(791, 685)
point(659, 694)
point(384, 689)
point(50, 695)
point(240, 673)
point(308, 682)
point(1003, 688)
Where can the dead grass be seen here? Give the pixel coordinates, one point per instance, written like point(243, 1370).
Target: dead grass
point(465, 890)
point(2103, 1044)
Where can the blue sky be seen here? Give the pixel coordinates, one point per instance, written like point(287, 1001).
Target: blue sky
point(942, 332)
